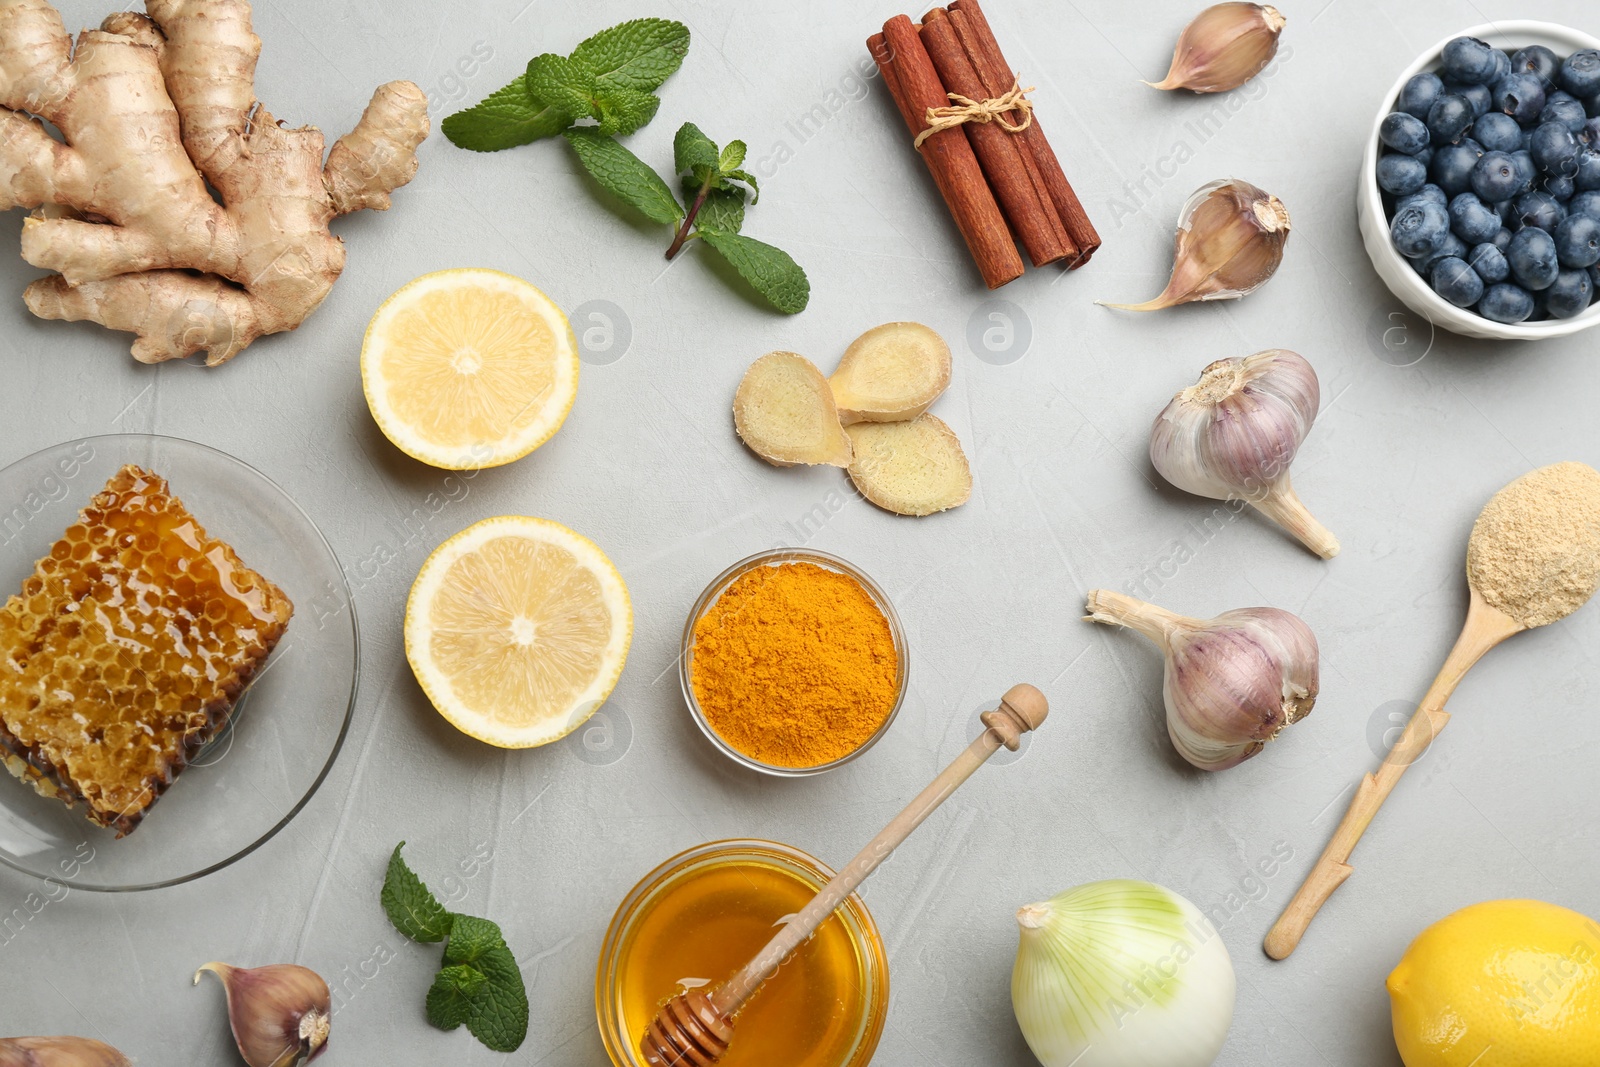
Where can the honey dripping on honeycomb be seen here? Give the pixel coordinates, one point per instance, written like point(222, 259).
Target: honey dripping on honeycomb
point(126, 649)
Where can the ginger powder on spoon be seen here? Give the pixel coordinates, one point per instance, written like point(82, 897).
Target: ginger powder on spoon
point(1535, 549)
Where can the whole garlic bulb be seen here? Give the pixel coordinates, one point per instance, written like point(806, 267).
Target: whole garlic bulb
point(280, 1014)
point(59, 1052)
point(1233, 434)
point(1232, 683)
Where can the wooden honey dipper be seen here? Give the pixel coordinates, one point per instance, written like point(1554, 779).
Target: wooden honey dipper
point(694, 1028)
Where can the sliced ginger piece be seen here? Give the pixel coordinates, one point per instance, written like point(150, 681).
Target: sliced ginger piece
point(910, 468)
point(891, 373)
point(784, 411)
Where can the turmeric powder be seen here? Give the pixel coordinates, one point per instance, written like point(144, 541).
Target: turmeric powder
point(795, 665)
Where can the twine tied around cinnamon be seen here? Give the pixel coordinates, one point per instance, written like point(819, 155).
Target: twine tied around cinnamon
point(990, 110)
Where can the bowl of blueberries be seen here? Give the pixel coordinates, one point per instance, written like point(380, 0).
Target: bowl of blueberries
point(1480, 194)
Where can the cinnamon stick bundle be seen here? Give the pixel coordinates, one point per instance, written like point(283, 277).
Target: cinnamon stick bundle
point(999, 177)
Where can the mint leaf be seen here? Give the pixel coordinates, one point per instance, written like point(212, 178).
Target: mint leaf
point(624, 175)
point(410, 906)
point(623, 111)
point(557, 82)
point(497, 1014)
point(451, 995)
point(770, 271)
point(640, 54)
point(732, 156)
point(471, 938)
point(748, 178)
point(723, 210)
point(506, 118)
point(694, 152)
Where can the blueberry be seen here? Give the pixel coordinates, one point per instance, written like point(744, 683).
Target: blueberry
point(1401, 175)
point(1403, 133)
point(1586, 203)
point(1427, 192)
point(1569, 294)
point(1532, 256)
point(1449, 118)
point(1591, 104)
point(1554, 149)
point(1490, 263)
point(1565, 110)
point(1495, 177)
point(1561, 188)
point(1452, 165)
point(1478, 96)
point(1527, 137)
point(1594, 276)
point(1537, 60)
point(1420, 228)
point(1419, 93)
point(1497, 132)
point(1539, 210)
point(1425, 157)
point(1587, 178)
point(1590, 134)
point(1457, 282)
point(1502, 240)
point(1520, 96)
point(1578, 241)
point(1580, 73)
point(1527, 172)
point(1452, 246)
point(1502, 66)
point(1472, 220)
point(1506, 303)
point(1467, 60)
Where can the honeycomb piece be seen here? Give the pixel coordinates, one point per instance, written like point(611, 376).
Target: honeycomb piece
point(126, 649)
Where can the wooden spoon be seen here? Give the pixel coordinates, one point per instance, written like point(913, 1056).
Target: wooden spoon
point(1548, 585)
point(693, 1029)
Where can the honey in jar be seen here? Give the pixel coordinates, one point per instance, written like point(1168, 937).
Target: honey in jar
point(702, 915)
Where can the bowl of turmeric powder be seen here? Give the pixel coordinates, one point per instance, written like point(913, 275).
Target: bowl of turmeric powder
point(793, 663)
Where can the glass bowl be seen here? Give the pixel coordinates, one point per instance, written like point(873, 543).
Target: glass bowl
point(285, 730)
point(1398, 274)
point(868, 986)
point(772, 558)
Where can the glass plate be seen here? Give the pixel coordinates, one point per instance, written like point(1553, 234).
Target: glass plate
point(286, 730)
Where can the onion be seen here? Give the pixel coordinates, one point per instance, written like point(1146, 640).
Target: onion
point(1121, 974)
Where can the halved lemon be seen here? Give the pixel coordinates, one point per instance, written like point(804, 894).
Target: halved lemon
point(517, 629)
point(465, 369)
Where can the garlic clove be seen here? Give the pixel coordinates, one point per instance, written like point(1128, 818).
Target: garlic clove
point(1232, 683)
point(1229, 242)
point(1224, 47)
point(59, 1052)
point(1233, 434)
point(280, 1014)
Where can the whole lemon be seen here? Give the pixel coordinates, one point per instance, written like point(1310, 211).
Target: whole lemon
point(1507, 983)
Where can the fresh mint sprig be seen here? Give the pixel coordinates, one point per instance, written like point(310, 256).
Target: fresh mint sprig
point(610, 78)
point(606, 89)
point(713, 206)
point(479, 985)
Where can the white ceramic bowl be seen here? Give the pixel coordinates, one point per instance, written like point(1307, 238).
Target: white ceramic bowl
point(1397, 273)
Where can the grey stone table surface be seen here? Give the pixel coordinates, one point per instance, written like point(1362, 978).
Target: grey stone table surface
point(1052, 397)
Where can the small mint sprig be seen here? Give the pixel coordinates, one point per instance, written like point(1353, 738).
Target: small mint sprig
point(610, 78)
point(479, 985)
point(712, 210)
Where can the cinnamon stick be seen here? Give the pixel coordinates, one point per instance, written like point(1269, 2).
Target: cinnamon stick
point(980, 40)
point(1029, 209)
point(909, 75)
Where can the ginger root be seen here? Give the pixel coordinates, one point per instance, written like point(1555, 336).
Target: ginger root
point(153, 108)
point(910, 468)
point(891, 373)
point(784, 411)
